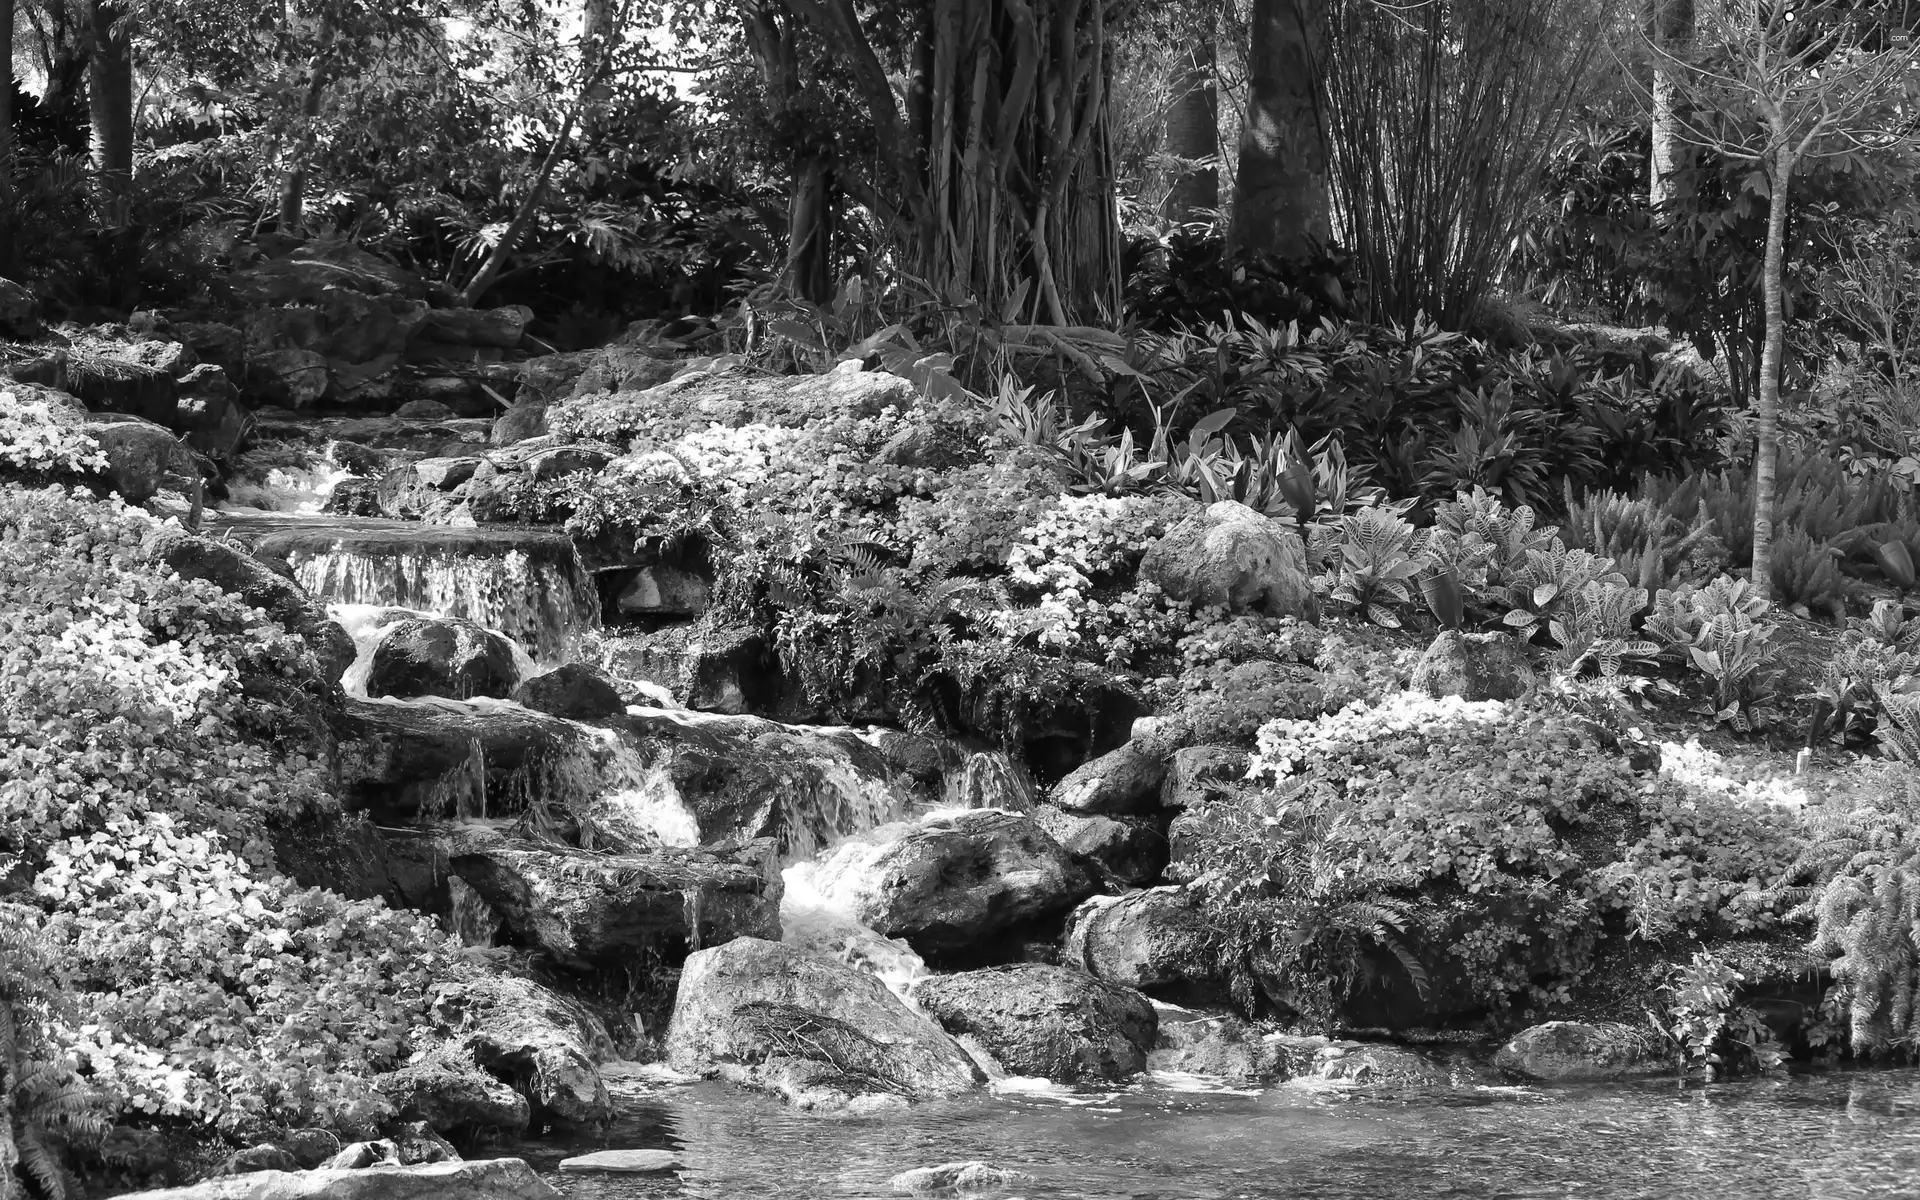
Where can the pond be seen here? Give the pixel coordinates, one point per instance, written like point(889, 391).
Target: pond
point(1817, 1135)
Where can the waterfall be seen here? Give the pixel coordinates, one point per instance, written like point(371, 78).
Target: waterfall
point(817, 913)
point(990, 779)
point(303, 489)
point(538, 601)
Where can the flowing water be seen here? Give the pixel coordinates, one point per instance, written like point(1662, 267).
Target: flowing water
point(1823, 1136)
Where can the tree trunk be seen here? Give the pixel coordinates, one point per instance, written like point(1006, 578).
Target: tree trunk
point(293, 187)
point(1672, 32)
point(1280, 202)
point(1193, 135)
point(522, 220)
point(810, 222)
point(110, 101)
point(1766, 450)
point(6, 152)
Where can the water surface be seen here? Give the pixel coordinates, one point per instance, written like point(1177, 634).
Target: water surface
point(1816, 1135)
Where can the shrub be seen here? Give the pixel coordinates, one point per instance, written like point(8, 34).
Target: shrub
point(1652, 548)
point(40, 439)
point(140, 772)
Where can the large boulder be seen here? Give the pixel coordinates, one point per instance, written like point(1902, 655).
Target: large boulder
point(236, 571)
point(522, 421)
point(442, 656)
point(1126, 780)
point(209, 412)
point(288, 378)
point(1572, 1051)
point(143, 459)
point(1474, 666)
point(622, 369)
point(1231, 556)
point(578, 691)
point(960, 887)
point(610, 910)
point(697, 401)
point(1048, 1021)
point(549, 1046)
point(807, 1027)
point(1128, 851)
point(663, 591)
point(1157, 941)
point(481, 1179)
point(1197, 774)
point(454, 1098)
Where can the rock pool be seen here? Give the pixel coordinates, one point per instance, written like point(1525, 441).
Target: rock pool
point(1820, 1135)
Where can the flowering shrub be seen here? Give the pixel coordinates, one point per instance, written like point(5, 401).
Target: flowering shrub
point(39, 439)
point(135, 798)
point(1287, 746)
point(1074, 548)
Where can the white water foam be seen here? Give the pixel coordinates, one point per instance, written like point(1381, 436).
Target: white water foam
point(818, 912)
point(287, 489)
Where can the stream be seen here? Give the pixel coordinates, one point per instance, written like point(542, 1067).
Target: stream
point(1819, 1135)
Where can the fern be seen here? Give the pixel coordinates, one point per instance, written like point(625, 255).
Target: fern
point(42, 1101)
point(1653, 548)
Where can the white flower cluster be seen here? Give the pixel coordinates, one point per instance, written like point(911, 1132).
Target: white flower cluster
point(1698, 767)
point(1057, 554)
point(1285, 745)
point(35, 436)
point(112, 644)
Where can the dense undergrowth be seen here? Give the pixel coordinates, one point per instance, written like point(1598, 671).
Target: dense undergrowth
point(151, 737)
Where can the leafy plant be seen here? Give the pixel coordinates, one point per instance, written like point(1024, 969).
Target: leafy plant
point(43, 1102)
point(1717, 629)
point(1379, 557)
point(1888, 624)
point(1714, 1034)
point(1597, 628)
point(1652, 547)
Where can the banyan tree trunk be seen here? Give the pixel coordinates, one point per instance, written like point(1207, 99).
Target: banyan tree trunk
point(1193, 136)
point(110, 97)
point(999, 173)
point(1281, 202)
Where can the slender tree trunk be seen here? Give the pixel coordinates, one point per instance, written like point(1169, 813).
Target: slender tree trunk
point(110, 100)
point(1672, 30)
point(1193, 134)
point(1280, 202)
point(1766, 450)
point(6, 149)
point(810, 231)
point(293, 187)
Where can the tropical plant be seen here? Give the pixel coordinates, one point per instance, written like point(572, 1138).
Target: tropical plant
point(1889, 625)
point(1652, 547)
point(1547, 586)
point(1713, 1033)
point(1379, 557)
point(1717, 629)
point(1596, 627)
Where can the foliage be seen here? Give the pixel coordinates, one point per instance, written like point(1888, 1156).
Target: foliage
point(42, 1101)
point(151, 736)
point(1185, 277)
point(38, 438)
point(1379, 556)
point(1718, 629)
point(1860, 879)
point(1713, 1032)
point(1652, 547)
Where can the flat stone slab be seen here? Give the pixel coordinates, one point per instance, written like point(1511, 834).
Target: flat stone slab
point(622, 1162)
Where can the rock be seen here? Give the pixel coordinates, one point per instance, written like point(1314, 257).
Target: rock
point(1231, 556)
point(311, 1147)
point(112, 378)
point(209, 412)
point(358, 1156)
point(264, 1157)
point(622, 369)
point(215, 343)
point(1571, 1051)
point(501, 327)
point(550, 377)
point(487, 1179)
point(236, 571)
point(162, 357)
point(1126, 780)
point(418, 1143)
point(445, 656)
point(606, 910)
point(1048, 1021)
point(1200, 773)
point(291, 378)
point(567, 460)
point(1474, 666)
point(621, 1162)
point(454, 1097)
point(1365, 1063)
point(578, 691)
point(549, 1045)
point(1157, 941)
point(304, 276)
point(1128, 851)
point(143, 458)
point(664, 591)
point(519, 423)
point(697, 401)
point(954, 1178)
point(354, 498)
point(1224, 1048)
point(955, 887)
point(20, 318)
point(810, 1028)
point(424, 410)
point(445, 474)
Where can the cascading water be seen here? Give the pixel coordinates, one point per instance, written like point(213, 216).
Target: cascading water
point(302, 489)
point(537, 600)
point(826, 800)
point(990, 779)
point(817, 913)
